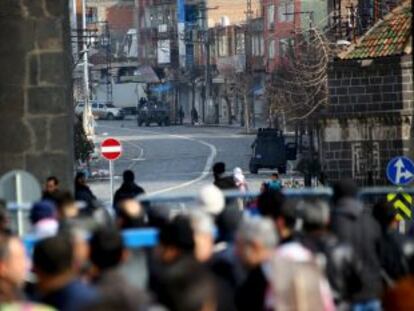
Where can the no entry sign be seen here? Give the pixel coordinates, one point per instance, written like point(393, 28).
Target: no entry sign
point(111, 149)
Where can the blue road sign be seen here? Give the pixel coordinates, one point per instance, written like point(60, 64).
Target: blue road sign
point(400, 171)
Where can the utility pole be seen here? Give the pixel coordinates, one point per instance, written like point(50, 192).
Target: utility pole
point(249, 111)
point(87, 112)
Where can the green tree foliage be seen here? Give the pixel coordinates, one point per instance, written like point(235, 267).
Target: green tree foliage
point(83, 146)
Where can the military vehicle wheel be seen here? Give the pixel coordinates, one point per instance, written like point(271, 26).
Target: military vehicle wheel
point(254, 169)
point(147, 124)
point(110, 116)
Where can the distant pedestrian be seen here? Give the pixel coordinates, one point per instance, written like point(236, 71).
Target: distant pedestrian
point(240, 180)
point(222, 181)
point(194, 116)
point(181, 115)
point(129, 189)
point(274, 184)
point(4, 216)
point(83, 192)
point(51, 188)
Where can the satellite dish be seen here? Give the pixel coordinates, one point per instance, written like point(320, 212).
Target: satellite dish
point(20, 187)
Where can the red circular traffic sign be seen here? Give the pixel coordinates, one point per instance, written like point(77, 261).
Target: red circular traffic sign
point(111, 149)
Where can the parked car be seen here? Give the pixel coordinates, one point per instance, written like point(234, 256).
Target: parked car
point(102, 111)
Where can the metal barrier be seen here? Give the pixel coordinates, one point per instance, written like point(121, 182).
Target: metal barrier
point(149, 237)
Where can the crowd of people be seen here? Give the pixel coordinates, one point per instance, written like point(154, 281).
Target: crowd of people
point(276, 253)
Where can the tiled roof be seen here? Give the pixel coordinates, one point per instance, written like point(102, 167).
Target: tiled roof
point(388, 37)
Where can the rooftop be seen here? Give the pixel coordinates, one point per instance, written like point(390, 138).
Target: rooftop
point(390, 36)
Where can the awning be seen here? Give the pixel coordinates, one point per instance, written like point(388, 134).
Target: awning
point(145, 74)
point(161, 88)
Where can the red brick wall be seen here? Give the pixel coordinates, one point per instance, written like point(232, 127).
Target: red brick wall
point(121, 18)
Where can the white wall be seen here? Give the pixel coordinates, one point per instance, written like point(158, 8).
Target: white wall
point(124, 94)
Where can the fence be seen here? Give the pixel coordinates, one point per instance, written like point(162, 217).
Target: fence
point(148, 237)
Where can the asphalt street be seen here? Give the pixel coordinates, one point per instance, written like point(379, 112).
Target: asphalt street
point(175, 159)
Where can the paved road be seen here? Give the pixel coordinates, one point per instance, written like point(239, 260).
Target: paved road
point(175, 159)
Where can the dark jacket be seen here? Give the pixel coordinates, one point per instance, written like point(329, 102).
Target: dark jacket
point(225, 182)
point(354, 225)
point(84, 193)
point(393, 260)
point(127, 191)
point(72, 297)
point(250, 295)
point(339, 262)
point(112, 284)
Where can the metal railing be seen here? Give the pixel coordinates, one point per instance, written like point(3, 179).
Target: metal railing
point(148, 237)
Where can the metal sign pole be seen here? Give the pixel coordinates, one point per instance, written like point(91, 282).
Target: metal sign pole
point(19, 200)
point(111, 182)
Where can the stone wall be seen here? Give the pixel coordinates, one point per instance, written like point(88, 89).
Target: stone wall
point(369, 118)
point(36, 109)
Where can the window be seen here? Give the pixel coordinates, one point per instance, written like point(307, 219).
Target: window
point(91, 15)
point(257, 45)
point(223, 46)
point(283, 47)
point(271, 49)
point(240, 43)
point(270, 16)
point(94, 105)
point(286, 12)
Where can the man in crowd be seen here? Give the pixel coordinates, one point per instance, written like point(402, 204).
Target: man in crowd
point(83, 192)
point(107, 254)
point(129, 189)
point(255, 242)
point(51, 188)
point(222, 181)
point(13, 268)
point(355, 225)
point(130, 214)
point(57, 281)
point(336, 259)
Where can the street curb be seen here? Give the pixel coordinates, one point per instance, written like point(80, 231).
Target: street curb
point(252, 131)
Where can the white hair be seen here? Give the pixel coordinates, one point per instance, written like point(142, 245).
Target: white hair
point(201, 222)
point(258, 229)
point(211, 200)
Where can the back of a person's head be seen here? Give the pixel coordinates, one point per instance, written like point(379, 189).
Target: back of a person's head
point(106, 248)
point(190, 287)
point(270, 203)
point(128, 176)
point(384, 213)
point(63, 198)
point(201, 222)
point(42, 210)
point(344, 189)
point(289, 213)
point(178, 233)
point(211, 199)
point(130, 214)
point(315, 215)
point(54, 179)
point(219, 168)
point(258, 229)
point(53, 256)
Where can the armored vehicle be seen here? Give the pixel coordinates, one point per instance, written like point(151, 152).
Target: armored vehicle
point(269, 150)
point(153, 112)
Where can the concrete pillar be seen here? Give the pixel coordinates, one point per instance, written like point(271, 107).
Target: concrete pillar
point(36, 106)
